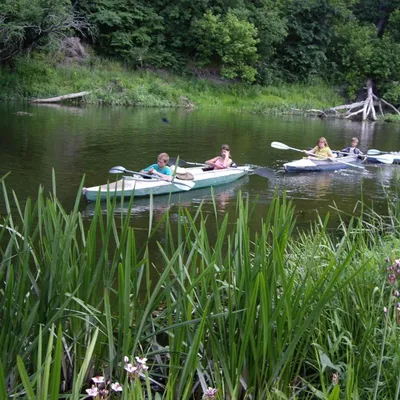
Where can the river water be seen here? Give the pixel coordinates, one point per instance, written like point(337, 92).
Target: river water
point(90, 140)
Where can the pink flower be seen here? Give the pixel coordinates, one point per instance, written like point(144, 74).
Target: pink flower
point(210, 393)
point(396, 293)
point(116, 387)
point(385, 310)
point(130, 368)
point(126, 359)
point(93, 391)
point(98, 379)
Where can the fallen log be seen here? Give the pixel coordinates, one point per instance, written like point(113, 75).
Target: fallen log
point(61, 98)
point(365, 107)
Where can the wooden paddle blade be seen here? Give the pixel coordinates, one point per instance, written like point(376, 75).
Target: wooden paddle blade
point(264, 172)
point(117, 170)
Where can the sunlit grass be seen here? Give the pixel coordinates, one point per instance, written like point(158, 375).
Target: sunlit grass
point(112, 84)
point(273, 314)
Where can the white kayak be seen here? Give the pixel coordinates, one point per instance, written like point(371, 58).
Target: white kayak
point(315, 165)
point(141, 186)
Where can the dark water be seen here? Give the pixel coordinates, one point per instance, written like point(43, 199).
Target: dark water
point(89, 141)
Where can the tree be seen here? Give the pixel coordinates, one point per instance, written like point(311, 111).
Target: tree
point(311, 29)
point(128, 29)
point(229, 42)
point(28, 24)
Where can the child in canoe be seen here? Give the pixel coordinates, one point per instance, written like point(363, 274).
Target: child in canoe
point(160, 169)
point(321, 150)
point(222, 161)
point(352, 149)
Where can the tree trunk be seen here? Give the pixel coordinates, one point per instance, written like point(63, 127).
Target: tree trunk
point(61, 98)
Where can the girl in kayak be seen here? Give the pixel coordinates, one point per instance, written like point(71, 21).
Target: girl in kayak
point(222, 161)
point(321, 150)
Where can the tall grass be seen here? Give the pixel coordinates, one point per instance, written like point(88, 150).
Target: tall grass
point(275, 314)
point(111, 83)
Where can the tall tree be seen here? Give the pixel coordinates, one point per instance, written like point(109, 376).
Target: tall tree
point(29, 24)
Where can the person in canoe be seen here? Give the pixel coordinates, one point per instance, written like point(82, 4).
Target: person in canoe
point(321, 150)
point(352, 149)
point(222, 161)
point(160, 169)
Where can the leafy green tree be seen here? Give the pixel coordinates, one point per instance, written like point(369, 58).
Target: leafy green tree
point(229, 42)
point(360, 54)
point(128, 29)
point(375, 11)
point(30, 24)
point(311, 29)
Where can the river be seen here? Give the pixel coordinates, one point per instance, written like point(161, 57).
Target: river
point(90, 140)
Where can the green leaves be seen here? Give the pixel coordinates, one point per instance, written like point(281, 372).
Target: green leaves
point(229, 41)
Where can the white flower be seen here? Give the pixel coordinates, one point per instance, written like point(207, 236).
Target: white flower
point(116, 387)
point(130, 368)
point(93, 391)
point(126, 359)
point(141, 360)
point(98, 379)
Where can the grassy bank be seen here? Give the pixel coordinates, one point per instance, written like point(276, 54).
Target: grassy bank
point(276, 314)
point(112, 84)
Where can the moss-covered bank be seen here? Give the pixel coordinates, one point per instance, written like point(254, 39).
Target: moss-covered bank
point(112, 84)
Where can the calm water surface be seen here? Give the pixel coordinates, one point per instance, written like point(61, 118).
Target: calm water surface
point(89, 141)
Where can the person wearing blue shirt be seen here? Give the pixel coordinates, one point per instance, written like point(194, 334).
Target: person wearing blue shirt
point(160, 169)
point(353, 149)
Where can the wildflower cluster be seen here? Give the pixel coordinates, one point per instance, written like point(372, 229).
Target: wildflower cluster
point(135, 369)
point(393, 274)
point(393, 271)
point(100, 388)
point(210, 393)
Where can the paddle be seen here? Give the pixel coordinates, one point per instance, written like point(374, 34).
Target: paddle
point(385, 158)
point(180, 185)
point(261, 171)
point(282, 146)
point(374, 152)
point(182, 163)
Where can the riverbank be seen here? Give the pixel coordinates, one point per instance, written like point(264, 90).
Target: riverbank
point(111, 84)
point(302, 314)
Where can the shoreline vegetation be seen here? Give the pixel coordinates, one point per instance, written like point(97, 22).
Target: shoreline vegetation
point(112, 84)
point(278, 313)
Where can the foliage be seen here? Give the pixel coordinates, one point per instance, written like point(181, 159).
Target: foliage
point(310, 26)
point(29, 24)
point(112, 84)
point(360, 54)
point(228, 41)
point(302, 314)
point(130, 30)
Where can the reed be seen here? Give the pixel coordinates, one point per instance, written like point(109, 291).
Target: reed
point(279, 313)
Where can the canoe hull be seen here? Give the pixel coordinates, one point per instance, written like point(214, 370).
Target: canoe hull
point(140, 186)
point(311, 165)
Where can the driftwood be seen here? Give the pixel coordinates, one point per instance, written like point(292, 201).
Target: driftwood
point(61, 98)
point(366, 107)
point(362, 110)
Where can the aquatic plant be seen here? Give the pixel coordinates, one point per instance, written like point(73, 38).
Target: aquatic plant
point(274, 313)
